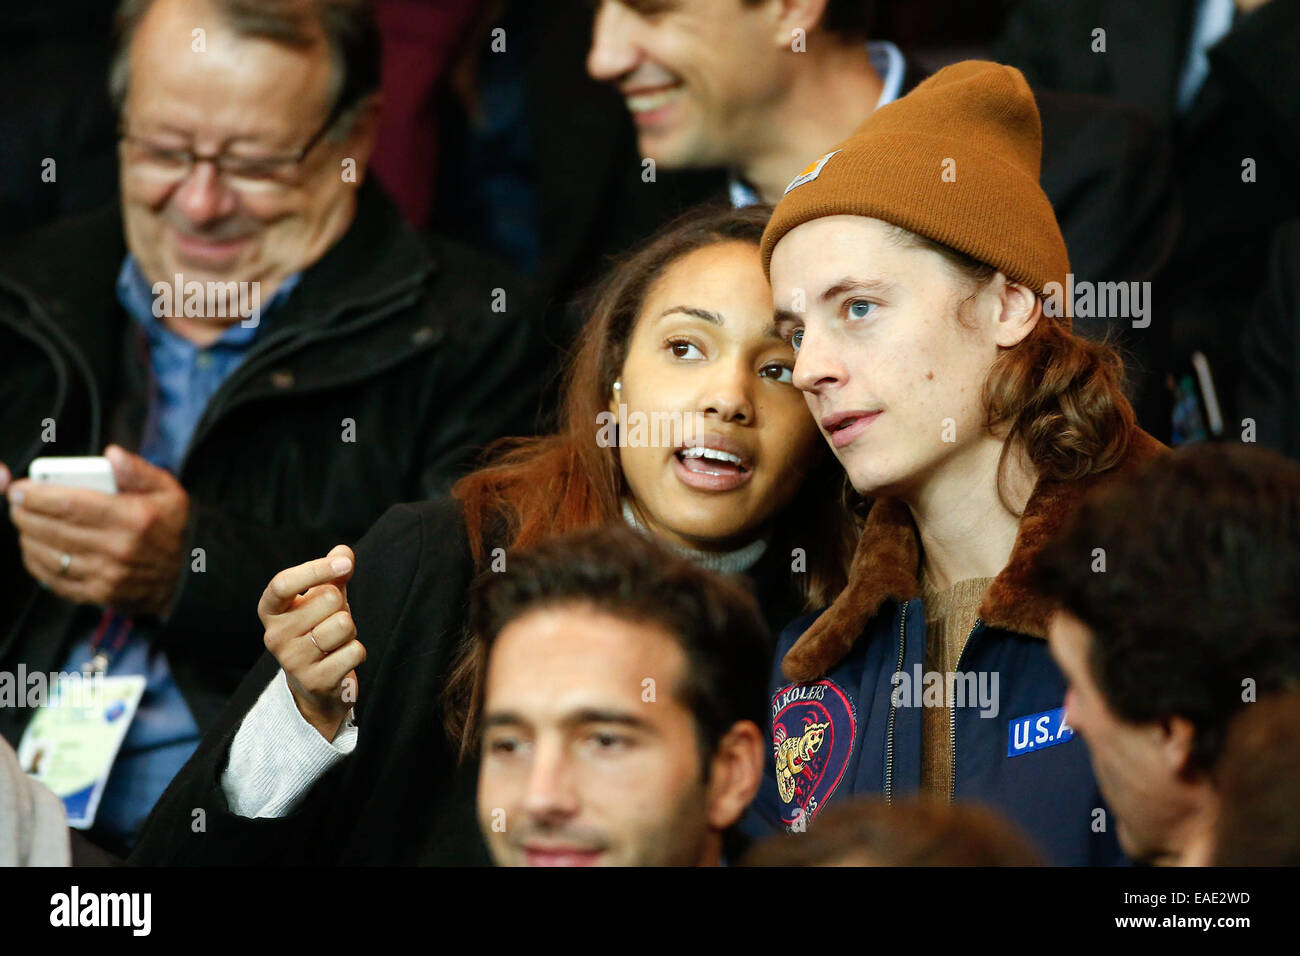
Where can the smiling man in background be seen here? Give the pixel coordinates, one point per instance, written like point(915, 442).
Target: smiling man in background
point(731, 84)
point(271, 355)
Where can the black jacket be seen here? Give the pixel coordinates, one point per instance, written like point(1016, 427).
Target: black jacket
point(400, 796)
point(1270, 387)
point(1248, 108)
point(396, 337)
point(65, 116)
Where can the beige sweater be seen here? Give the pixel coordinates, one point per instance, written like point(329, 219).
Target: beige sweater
point(950, 615)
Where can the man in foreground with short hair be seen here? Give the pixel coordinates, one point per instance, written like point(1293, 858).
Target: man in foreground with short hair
point(1177, 610)
point(622, 701)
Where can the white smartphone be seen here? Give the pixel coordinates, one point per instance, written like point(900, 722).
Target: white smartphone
point(91, 471)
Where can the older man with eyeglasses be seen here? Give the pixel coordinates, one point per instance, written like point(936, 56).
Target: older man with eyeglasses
point(265, 353)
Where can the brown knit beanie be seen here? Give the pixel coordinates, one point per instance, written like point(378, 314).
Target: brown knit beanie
point(956, 160)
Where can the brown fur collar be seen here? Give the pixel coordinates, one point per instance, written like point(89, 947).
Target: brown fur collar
point(887, 566)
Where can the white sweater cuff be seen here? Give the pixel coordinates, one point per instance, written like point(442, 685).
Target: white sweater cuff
point(276, 756)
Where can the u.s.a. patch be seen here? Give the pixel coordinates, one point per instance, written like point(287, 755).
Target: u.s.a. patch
point(813, 730)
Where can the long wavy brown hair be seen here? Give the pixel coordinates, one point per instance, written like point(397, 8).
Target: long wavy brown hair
point(1060, 396)
point(534, 488)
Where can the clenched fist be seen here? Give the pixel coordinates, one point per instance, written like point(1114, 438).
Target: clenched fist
point(310, 631)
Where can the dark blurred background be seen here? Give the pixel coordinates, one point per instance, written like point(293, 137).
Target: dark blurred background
point(54, 101)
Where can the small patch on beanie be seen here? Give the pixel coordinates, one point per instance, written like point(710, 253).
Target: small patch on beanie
point(811, 172)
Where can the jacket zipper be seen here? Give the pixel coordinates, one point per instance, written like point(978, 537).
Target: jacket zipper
point(889, 741)
point(952, 716)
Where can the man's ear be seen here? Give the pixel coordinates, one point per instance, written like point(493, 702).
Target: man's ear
point(1019, 310)
point(360, 143)
point(791, 15)
point(735, 772)
point(1178, 736)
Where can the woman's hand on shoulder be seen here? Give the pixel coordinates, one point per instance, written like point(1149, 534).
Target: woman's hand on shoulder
point(310, 631)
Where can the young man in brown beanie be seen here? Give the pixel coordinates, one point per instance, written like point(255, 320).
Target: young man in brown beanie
point(909, 267)
point(757, 87)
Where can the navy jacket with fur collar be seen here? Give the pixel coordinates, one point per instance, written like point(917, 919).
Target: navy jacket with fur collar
point(844, 725)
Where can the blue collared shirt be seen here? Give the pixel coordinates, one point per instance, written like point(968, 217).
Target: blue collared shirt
point(888, 62)
point(183, 377)
point(1213, 21)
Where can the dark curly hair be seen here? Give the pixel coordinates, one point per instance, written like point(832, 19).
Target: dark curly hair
point(915, 832)
point(1199, 588)
point(628, 575)
point(1258, 782)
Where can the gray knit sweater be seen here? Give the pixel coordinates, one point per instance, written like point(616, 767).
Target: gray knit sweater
point(33, 827)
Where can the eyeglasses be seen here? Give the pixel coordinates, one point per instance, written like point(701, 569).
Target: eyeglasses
point(241, 173)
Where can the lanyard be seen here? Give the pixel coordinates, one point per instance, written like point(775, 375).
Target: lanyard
point(109, 621)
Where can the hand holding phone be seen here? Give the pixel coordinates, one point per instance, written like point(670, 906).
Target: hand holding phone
point(90, 471)
point(107, 531)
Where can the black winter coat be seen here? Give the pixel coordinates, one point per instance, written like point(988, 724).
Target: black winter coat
point(1247, 108)
point(398, 337)
point(400, 797)
point(1270, 389)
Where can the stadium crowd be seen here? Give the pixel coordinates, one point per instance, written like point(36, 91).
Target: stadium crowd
point(650, 432)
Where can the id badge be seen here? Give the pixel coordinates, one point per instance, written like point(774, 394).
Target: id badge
point(72, 741)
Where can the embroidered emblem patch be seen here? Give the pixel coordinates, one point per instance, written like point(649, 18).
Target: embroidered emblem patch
point(811, 172)
point(1036, 731)
point(813, 731)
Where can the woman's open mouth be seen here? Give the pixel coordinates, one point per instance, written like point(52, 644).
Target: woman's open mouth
point(708, 467)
